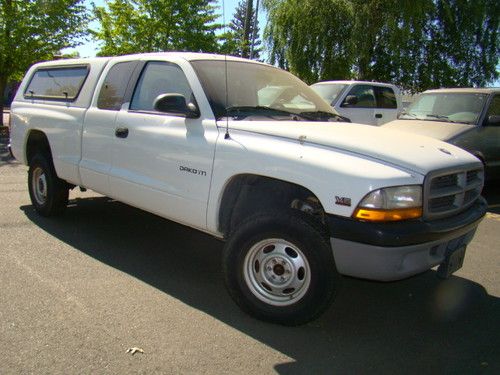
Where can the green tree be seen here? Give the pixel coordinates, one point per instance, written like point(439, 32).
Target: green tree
point(235, 41)
point(417, 44)
point(35, 30)
point(427, 44)
point(310, 38)
point(133, 26)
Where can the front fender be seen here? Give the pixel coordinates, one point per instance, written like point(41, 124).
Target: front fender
point(326, 172)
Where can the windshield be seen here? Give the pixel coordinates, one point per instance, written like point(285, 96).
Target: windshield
point(447, 107)
point(256, 89)
point(329, 91)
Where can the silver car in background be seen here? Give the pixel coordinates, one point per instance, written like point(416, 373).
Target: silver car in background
point(363, 102)
point(466, 117)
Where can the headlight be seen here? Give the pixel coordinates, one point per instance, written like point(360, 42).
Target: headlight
point(391, 204)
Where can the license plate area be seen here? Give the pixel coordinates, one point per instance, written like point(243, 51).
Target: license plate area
point(453, 261)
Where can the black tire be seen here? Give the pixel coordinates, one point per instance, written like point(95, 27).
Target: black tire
point(48, 193)
point(253, 254)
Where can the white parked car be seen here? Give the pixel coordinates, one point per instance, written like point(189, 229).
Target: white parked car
point(259, 161)
point(371, 103)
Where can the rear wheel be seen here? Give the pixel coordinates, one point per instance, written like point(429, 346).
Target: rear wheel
point(48, 193)
point(279, 267)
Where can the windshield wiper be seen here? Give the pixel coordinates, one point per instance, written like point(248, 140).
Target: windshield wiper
point(438, 116)
point(248, 110)
point(441, 117)
point(411, 115)
point(320, 115)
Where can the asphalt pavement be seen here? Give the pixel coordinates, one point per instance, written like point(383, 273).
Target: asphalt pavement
point(79, 290)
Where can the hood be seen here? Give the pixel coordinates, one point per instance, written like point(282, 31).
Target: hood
point(416, 153)
point(436, 129)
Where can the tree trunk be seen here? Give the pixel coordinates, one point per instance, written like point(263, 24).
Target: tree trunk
point(246, 31)
point(254, 29)
point(3, 85)
point(5, 68)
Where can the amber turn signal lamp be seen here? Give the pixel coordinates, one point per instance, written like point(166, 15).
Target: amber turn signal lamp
point(370, 214)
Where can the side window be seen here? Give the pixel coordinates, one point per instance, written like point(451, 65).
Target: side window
point(364, 97)
point(494, 109)
point(58, 83)
point(159, 78)
point(114, 86)
point(385, 97)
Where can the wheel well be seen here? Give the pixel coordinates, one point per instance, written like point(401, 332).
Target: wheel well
point(37, 143)
point(246, 195)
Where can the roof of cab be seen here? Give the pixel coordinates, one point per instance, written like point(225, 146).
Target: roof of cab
point(349, 82)
point(81, 61)
point(189, 56)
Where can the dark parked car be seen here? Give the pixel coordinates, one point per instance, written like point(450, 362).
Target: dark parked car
point(468, 118)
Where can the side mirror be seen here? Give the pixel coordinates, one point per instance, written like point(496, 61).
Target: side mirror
point(350, 100)
point(493, 120)
point(175, 104)
point(344, 119)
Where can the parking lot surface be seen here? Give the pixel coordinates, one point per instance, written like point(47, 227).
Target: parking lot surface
point(79, 290)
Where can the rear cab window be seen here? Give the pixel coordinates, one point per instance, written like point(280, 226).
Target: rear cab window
point(57, 83)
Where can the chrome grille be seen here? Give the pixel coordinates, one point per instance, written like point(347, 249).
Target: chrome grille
point(448, 192)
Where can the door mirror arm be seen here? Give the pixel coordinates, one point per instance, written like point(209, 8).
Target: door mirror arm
point(493, 120)
point(350, 100)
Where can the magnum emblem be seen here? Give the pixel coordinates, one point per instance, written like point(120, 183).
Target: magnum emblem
point(343, 201)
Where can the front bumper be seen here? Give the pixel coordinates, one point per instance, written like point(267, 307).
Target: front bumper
point(393, 251)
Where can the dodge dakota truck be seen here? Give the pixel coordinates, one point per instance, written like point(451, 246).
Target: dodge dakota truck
point(250, 154)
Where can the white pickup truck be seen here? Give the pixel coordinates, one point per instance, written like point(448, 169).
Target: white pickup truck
point(363, 102)
point(250, 154)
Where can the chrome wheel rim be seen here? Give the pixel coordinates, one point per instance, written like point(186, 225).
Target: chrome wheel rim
point(277, 272)
point(39, 185)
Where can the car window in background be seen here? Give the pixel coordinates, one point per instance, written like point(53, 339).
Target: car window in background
point(385, 97)
point(494, 109)
point(267, 95)
point(447, 107)
point(329, 92)
point(365, 97)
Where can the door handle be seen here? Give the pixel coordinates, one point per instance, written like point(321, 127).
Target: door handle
point(121, 132)
point(378, 115)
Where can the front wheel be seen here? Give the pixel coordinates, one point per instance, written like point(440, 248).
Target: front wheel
point(48, 193)
point(279, 267)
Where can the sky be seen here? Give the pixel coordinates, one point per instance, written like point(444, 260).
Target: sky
point(90, 48)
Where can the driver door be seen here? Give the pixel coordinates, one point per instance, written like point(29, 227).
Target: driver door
point(162, 163)
point(362, 110)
